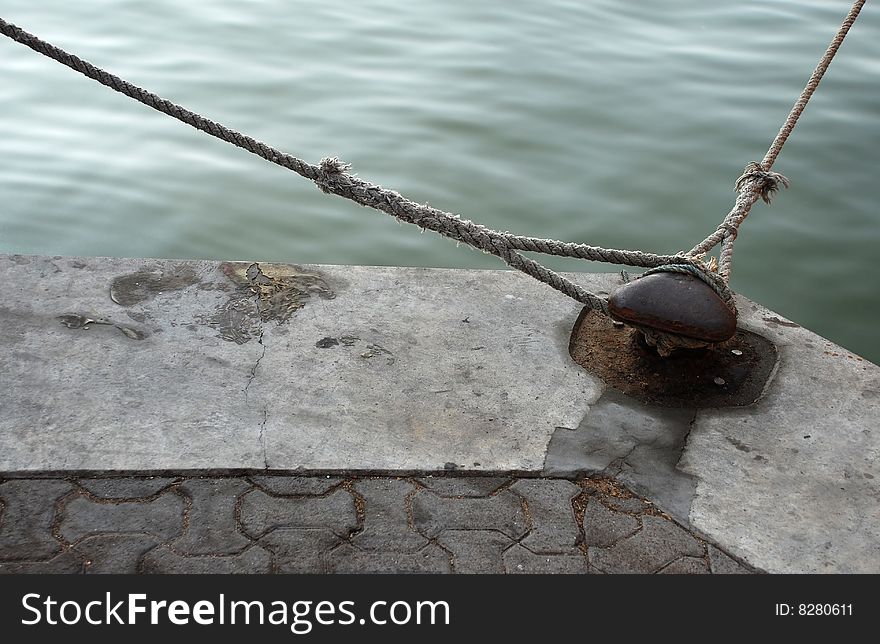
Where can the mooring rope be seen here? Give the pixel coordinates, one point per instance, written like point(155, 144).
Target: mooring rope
point(333, 176)
point(757, 180)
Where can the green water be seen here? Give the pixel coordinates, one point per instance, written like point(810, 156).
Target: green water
point(614, 123)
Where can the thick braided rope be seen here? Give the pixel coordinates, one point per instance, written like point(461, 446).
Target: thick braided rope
point(757, 180)
point(336, 180)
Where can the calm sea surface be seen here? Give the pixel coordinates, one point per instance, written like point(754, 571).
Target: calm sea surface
point(621, 124)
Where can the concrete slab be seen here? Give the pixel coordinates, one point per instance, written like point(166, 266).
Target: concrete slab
point(792, 484)
point(207, 365)
point(232, 366)
point(94, 398)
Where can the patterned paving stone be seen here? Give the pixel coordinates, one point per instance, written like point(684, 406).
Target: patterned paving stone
point(312, 525)
point(658, 543)
point(635, 505)
point(386, 524)
point(114, 553)
point(254, 560)
point(721, 564)
point(162, 517)
point(475, 551)
point(519, 560)
point(125, 488)
point(65, 563)
point(604, 527)
point(347, 559)
point(261, 513)
point(297, 485)
point(26, 521)
point(686, 566)
point(300, 550)
point(502, 512)
point(554, 526)
point(211, 526)
point(463, 486)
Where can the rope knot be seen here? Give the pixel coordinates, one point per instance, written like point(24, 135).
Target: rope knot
point(333, 165)
point(766, 182)
point(331, 169)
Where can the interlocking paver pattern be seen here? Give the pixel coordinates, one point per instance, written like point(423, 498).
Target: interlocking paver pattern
point(355, 524)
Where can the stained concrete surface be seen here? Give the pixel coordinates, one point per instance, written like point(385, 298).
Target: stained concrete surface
point(273, 368)
point(637, 443)
point(263, 366)
point(733, 373)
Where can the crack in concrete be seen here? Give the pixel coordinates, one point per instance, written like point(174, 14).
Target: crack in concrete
point(253, 375)
point(615, 467)
point(262, 437)
point(684, 441)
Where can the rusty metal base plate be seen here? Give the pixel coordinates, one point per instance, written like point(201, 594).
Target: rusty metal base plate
point(733, 373)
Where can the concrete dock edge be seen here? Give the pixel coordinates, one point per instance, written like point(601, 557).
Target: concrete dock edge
point(133, 367)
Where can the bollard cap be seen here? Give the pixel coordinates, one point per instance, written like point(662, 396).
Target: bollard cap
point(675, 303)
